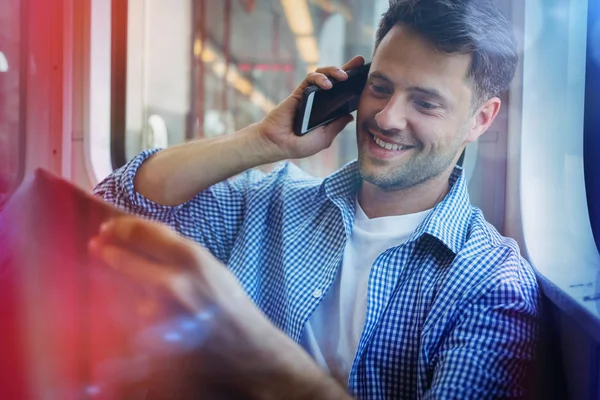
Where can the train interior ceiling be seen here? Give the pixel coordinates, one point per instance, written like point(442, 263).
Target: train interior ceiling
point(85, 85)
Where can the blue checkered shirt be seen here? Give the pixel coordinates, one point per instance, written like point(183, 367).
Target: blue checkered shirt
point(451, 314)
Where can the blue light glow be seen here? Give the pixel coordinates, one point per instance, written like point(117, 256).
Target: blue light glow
point(172, 337)
point(92, 390)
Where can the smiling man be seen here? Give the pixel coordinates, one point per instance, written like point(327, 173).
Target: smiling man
point(384, 273)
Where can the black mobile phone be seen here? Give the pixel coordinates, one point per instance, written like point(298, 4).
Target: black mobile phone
point(321, 106)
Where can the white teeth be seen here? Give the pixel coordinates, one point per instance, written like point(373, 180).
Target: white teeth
point(387, 146)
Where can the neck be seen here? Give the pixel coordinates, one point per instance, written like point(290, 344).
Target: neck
point(377, 202)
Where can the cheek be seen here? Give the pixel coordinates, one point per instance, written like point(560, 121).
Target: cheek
point(434, 134)
point(426, 130)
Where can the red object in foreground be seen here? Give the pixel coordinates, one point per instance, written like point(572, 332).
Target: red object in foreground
point(72, 328)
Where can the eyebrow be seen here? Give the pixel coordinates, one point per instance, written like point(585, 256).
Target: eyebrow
point(427, 91)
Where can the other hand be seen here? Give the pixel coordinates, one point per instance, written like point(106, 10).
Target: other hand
point(233, 342)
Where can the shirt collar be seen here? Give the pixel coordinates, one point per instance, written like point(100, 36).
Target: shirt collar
point(448, 222)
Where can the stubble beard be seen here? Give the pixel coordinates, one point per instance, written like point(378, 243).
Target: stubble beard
point(416, 170)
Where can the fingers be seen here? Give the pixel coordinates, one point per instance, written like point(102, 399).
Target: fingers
point(339, 124)
point(169, 278)
point(337, 72)
point(154, 240)
point(333, 128)
point(332, 72)
point(321, 77)
point(131, 264)
point(355, 62)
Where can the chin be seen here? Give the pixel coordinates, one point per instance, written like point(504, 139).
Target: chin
point(381, 174)
point(389, 177)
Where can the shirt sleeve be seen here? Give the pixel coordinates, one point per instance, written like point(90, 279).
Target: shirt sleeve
point(212, 218)
point(488, 352)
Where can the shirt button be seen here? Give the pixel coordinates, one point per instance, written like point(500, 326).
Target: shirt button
point(317, 293)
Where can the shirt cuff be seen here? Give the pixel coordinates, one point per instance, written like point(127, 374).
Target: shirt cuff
point(138, 202)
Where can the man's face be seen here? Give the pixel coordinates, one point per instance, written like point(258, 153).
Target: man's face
point(417, 105)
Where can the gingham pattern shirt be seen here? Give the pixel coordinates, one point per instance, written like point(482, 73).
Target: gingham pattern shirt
point(451, 314)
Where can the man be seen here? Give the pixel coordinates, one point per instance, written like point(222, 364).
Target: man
point(383, 272)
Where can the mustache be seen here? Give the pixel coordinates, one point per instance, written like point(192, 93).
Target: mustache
point(396, 135)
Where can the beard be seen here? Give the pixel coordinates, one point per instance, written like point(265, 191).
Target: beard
point(420, 167)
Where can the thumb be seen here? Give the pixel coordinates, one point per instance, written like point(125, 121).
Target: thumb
point(335, 127)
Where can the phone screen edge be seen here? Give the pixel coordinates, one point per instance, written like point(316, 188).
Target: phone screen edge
point(307, 112)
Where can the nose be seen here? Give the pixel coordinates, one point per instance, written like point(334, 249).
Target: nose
point(393, 116)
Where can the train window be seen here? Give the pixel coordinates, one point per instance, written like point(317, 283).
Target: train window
point(592, 118)
point(99, 146)
point(201, 68)
point(11, 97)
point(556, 226)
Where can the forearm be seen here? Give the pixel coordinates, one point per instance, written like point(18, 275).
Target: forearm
point(288, 372)
point(308, 383)
point(175, 175)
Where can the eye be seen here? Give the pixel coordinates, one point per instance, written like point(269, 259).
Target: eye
point(425, 105)
point(379, 90)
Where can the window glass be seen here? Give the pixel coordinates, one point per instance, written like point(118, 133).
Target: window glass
point(205, 68)
point(592, 118)
point(10, 129)
point(556, 223)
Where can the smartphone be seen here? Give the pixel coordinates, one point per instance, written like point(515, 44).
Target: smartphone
point(321, 106)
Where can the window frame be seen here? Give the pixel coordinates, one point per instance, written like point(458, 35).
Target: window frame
point(118, 82)
point(21, 133)
point(549, 210)
point(23, 62)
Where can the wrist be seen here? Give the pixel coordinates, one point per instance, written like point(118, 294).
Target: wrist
point(287, 371)
point(257, 141)
point(302, 382)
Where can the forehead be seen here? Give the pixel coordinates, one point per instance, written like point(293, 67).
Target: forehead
point(408, 59)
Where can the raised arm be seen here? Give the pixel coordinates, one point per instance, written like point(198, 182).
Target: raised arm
point(174, 176)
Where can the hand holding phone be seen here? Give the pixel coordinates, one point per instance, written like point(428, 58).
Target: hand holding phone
point(275, 131)
point(320, 106)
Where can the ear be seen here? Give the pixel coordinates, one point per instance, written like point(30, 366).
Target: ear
point(483, 119)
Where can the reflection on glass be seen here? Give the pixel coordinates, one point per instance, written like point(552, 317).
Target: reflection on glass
point(209, 68)
point(3, 63)
point(9, 97)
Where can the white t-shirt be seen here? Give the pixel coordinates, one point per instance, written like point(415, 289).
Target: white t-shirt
point(332, 333)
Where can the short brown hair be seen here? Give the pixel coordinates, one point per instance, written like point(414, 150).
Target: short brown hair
point(473, 27)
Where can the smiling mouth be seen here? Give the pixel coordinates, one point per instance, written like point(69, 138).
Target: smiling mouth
point(389, 146)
